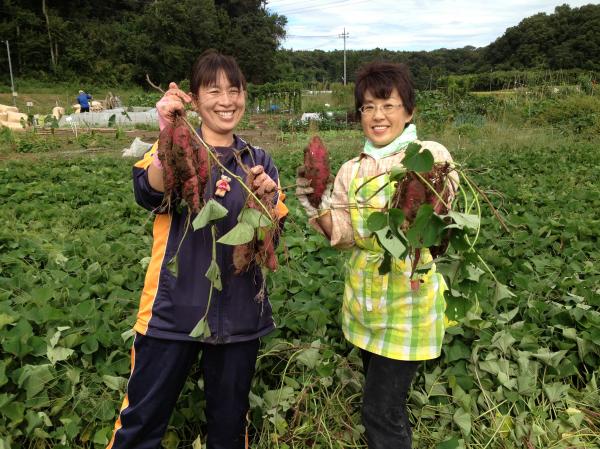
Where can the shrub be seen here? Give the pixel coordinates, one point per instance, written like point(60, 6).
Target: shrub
point(577, 113)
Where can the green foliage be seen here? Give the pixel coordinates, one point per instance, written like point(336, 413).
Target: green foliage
point(164, 38)
point(517, 371)
point(330, 120)
point(30, 143)
point(275, 97)
point(436, 109)
point(574, 113)
point(148, 99)
point(7, 137)
point(343, 95)
point(517, 79)
point(566, 39)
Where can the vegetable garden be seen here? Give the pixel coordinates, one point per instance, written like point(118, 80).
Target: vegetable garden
point(519, 368)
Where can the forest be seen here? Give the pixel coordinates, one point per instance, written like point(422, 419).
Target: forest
point(116, 42)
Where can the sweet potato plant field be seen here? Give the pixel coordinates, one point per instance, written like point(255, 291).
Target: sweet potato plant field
point(520, 369)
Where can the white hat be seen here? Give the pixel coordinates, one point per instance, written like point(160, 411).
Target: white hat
point(80, 91)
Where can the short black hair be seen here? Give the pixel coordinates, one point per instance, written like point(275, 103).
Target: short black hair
point(380, 78)
point(205, 71)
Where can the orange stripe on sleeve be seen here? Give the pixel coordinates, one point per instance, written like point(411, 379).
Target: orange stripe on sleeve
point(148, 157)
point(162, 226)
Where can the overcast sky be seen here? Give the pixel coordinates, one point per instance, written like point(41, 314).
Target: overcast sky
point(403, 24)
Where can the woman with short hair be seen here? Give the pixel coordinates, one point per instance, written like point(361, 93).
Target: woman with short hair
point(395, 325)
point(171, 305)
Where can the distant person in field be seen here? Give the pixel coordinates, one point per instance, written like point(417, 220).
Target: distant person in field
point(395, 321)
point(171, 305)
point(84, 101)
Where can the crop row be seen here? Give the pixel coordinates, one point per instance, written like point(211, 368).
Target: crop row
point(518, 370)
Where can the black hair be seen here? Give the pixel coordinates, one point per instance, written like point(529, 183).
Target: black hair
point(205, 71)
point(380, 79)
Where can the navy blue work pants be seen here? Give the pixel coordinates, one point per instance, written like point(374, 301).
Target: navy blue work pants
point(159, 371)
point(384, 414)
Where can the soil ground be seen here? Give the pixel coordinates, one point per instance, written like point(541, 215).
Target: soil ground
point(260, 132)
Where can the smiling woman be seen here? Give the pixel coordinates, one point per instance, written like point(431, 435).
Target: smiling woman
point(220, 106)
point(219, 96)
point(395, 318)
point(235, 312)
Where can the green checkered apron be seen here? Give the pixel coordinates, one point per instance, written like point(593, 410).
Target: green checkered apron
point(381, 313)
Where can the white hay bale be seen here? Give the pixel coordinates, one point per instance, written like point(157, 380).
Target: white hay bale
point(15, 117)
point(96, 106)
point(58, 112)
point(6, 108)
point(12, 125)
point(3, 117)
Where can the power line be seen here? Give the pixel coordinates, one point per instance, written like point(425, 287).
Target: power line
point(322, 5)
point(299, 4)
point(293, 3)
point(309, 37)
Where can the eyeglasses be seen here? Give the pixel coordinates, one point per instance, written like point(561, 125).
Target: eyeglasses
point(387, 108)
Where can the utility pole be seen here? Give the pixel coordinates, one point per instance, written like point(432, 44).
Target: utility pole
point(12, 83)
point(344, 35)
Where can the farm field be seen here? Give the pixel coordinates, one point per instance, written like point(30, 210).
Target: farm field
point(519, 370)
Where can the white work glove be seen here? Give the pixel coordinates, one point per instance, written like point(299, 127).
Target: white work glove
point(303, 189)
point(173, 101)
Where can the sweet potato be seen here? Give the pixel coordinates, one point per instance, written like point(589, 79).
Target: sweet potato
point(316, 168)
point(185, 164)
point(412, 194)
point(242, 257)
point(412, 191)
point(260, 251)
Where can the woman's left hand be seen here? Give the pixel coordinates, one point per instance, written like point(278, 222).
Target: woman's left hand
point(263, 183)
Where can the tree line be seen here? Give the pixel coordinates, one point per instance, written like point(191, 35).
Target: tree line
point(120, 41)
point(569, 38)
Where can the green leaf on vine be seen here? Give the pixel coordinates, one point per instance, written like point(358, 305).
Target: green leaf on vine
point(377, 221)
point(417, 160)
point(457, 307)
point(240, 234)
point(214, 275)
point(201, 329)
point(426, 229)
point(461, 221)
point(210, 212)
point(502, 292)
point(397, 173)
point(391, 243)
point(396, 219)
point(254, 218)
point(458, 240)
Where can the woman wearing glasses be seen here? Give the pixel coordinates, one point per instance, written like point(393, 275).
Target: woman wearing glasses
point(395, 325)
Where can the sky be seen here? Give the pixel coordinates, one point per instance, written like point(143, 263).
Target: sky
point(403, 24)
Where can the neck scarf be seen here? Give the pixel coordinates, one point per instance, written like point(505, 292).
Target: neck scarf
point(399, 143)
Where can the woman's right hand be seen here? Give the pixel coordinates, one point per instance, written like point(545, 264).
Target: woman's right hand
point(172, 102)
point(304, 189)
